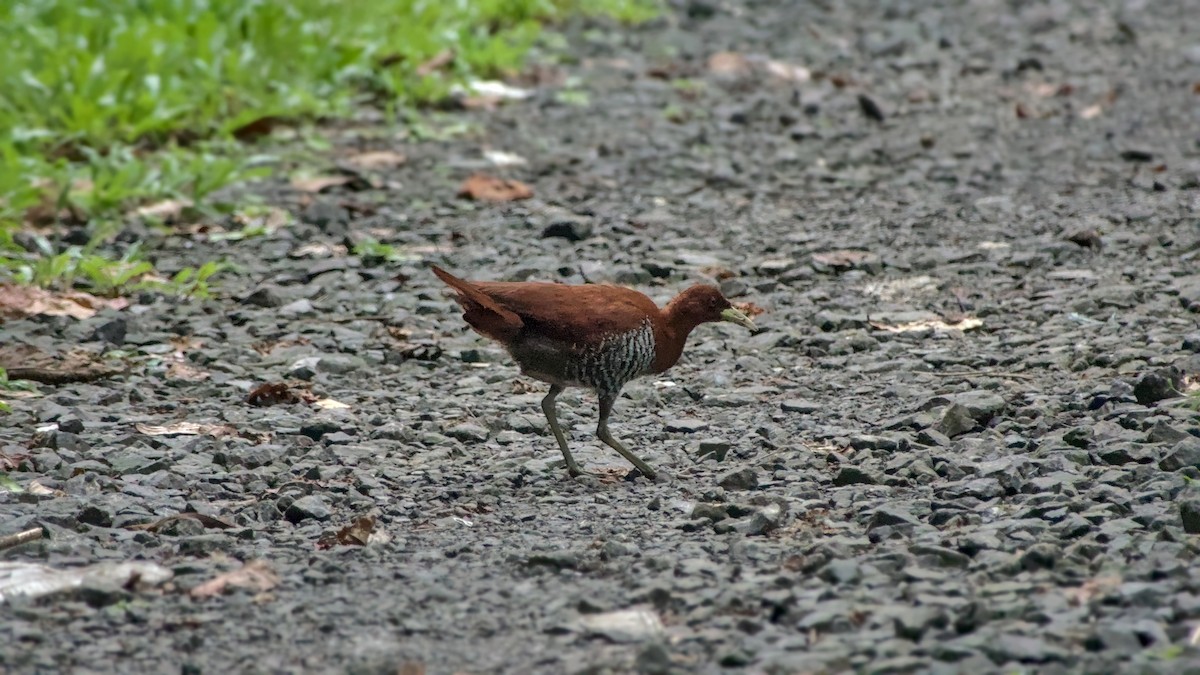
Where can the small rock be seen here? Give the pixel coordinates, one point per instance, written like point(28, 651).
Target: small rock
point(715, 447)
point(739, 479)
point(308, 506)
point(1189, 513)
point(468, 433)
point(563, 560)
point(981, 405)
point(94, 515)
point(841, 571)
point(572, 228)
point(340, 364)
point(799, 405)
point(852, 475)
point(775, 267)
point(70, 423)
point(956, 421)
point(686, 426)
point(1185, 453)
point(264, 296)
point(654, 659)
point(911, 623)
point(764, 520)
point(636, 624)
point(1191, 343)
point(112, 332)
point(301, 307)
point(315, 430)
point(1158, 385)
point(331, 218)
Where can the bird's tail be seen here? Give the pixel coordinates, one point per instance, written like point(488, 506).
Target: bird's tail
point(483, 313)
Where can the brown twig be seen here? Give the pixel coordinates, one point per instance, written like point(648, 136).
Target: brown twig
point(19, 538)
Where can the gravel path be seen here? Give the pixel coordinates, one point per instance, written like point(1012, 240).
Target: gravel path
point(956, 444)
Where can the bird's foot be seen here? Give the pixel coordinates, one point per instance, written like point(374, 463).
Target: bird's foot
point(575, 471)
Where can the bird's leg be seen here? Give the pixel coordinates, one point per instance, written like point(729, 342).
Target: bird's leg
point(606, 406)
point(552, 418)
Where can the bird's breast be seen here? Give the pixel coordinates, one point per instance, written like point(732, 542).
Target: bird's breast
point(604, 365)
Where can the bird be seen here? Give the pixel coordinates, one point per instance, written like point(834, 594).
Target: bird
point(595, 336)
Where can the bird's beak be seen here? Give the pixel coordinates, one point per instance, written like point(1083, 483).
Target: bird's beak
point(735, 316)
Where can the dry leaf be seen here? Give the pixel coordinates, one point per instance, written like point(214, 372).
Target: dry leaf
point(1092, 588)
point(1091, 111)
point(357, 533)
point(258, 128)
point(787, 71)
point(176, 429)
point(330, 404)
point(729, 64)
point(186, 429)
point(374, 161)
point(203, 519)
point(25, 362)
point(255, 575)
point(439, 61)
point(490, 189)
point(272, 393)
point(749, 308)
point(166, 210)
point(179, 370)
point(936, 325)
point(316, 184)
point(500, 158)
point(844, 259)
point(318, 249)
point(17, 302)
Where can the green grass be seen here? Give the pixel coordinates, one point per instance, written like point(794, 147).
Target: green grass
point(113, 104)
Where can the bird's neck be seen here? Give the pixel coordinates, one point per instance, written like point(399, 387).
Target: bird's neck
point(672, 338)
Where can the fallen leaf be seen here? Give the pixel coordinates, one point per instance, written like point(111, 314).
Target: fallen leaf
point(1023, 112)
point(492, 89)
point(1092, 588)
point(32, 580)
point(749, 308)
point(1091, 111)
point(318, 249)
point(258, 128)
point(411, 668)
point(203, 519)
point(843, 259)
point(936, 325)
point(487, 188)
point(8, 484)
point(166, 210)
point(376, 160)
point(729, 64)
point(36, 488)
point(186, 429)
point(255, 575)
point(176, 429)
point(316, 184)
point(439, 61)
point(500, 158)
point(330, 404)
point(17, 302)
point(787, 71)
point(357, 533)
point(26, 362)
point(179, 370)
point(272, 393)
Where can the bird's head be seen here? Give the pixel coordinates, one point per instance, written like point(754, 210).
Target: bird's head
point(704, 304)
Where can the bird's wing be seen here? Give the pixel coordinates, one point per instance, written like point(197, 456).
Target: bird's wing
point(574, 315)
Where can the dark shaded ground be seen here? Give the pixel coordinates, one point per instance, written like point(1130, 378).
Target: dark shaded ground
point(1015, 497)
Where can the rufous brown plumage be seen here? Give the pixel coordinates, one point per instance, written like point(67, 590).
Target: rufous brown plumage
point(594, 336)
